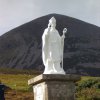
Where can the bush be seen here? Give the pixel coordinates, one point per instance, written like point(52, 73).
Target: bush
point(88, 94)
point(87, 84)
point(97, 85)
point(88, 89)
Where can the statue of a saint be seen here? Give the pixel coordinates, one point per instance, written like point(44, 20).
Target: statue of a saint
point(52, 49)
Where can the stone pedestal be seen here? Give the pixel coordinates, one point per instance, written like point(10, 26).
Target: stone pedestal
point(54, 86)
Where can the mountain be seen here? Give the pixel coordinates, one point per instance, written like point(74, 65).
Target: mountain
point(21, 47)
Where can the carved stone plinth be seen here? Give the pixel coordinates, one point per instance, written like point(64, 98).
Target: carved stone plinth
point(54, 86)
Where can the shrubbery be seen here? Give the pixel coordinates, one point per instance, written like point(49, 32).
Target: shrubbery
point(88, 89)
point(88, 84)
point(97, 85)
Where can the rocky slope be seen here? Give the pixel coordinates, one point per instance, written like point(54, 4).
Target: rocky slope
point(21, 47)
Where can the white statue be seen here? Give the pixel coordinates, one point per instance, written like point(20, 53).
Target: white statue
point(52, 49)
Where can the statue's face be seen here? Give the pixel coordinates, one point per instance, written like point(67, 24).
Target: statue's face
point(53, 24)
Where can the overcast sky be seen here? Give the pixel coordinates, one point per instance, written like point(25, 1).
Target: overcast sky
point(14, 13)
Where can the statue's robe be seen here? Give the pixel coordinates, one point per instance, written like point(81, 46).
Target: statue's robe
point(51, 47)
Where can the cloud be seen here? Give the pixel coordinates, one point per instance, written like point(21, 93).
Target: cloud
point(14, 13)
point(17, 12)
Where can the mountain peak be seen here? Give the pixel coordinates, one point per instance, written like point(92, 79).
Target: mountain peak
point(21, 47)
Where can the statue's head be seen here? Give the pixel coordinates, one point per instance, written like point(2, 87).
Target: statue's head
point(52, 22)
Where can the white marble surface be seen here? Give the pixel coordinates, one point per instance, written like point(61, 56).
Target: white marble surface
point(39, 91)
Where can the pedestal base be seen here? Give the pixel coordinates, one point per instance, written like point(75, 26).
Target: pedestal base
point(53, 72)
point(54, 86)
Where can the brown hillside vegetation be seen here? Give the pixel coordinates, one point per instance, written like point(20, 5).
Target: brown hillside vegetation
point(18, 95)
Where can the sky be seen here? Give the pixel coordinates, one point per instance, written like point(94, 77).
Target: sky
point(14, 13)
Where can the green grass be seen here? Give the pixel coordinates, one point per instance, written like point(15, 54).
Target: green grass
point(18, 81)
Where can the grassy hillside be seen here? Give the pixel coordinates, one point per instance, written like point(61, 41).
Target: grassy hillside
point(19, 87)
point(17, 82)
point(88, 88)
point(18, 71)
